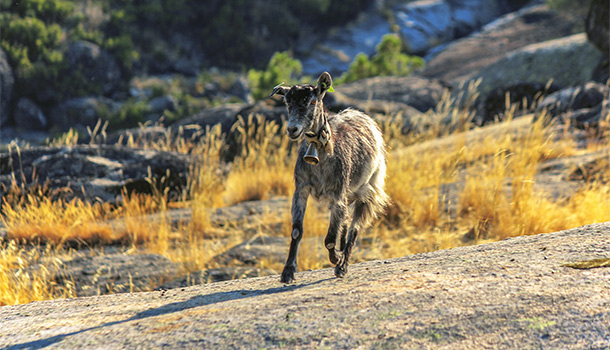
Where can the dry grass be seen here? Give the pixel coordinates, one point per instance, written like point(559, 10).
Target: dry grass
point(449, 185)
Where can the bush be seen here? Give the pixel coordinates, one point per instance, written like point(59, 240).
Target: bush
point(389, 60)
point(130, 115)
point(281, 68)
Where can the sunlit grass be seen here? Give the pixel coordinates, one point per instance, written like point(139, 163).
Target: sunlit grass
point(450, 185)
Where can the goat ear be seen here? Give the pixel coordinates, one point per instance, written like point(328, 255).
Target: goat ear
point(325, 83)
point(280, 90)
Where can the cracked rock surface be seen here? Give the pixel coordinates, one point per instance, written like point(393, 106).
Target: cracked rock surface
point(516, 293)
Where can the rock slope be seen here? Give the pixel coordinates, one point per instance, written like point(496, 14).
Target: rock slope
point(517, 293)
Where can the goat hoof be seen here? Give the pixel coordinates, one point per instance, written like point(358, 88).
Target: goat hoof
point(335, 256)
point(287, 275)
point(341, 270)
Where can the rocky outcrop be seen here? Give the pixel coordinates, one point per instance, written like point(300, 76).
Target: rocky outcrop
point(555, 64)
point(421, 24)
point(426, 24)
point(542, 291)
point(420, 93)
point(89, 273)
point(597, 25)
point(567, 61)
point(29, 116)
point(582, 106)
point(80, 113)
point(94, 172)
point(463, 58)
point(7, 82)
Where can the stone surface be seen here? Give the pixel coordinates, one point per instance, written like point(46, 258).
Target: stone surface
point(81, 112)
point(7, 83)
point(216, 275)
point(91, 274)
point(94, 172)
point(517, 293)
point(566, 61)
point(597, 25)
point(463, 58)
point(162, 103)
point(420, 93)
point(421, 24)
point(29, 116)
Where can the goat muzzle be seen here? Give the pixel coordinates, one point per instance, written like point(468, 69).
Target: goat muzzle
point(311, 156)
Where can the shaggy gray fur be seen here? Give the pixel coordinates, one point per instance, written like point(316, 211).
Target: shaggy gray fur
point(350, 173)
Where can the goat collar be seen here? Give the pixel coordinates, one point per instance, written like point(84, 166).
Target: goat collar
point(320, 139)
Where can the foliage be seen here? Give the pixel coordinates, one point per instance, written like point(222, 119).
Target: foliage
point(281, 68)
point(389, 60)
point(130, 115)
point(35, 35)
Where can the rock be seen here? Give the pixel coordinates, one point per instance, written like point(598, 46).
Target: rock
point(163, 103)
point(566, 61)
point(138, 137)
point(464, 58)
point(336, 51)
point(80, 113)
point(241, 89)
point(113, 273)
point(597, 25)
point(216, 275)
point(95, 172)
point(426, 24)
point(420, 93)
point(576, 97)
point(226, 116)
point(29, 116)
point(254, 250)
point(421, 24)
point(584, 105)
point(524, 95)
point(96, 65)
point(543, 291)
point(7, 82)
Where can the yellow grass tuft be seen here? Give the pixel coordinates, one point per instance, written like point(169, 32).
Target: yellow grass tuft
point(449, 186)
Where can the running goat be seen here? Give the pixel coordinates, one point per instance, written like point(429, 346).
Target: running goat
point(342, 160)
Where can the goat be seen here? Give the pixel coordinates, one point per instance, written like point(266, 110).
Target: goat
point(341, 159)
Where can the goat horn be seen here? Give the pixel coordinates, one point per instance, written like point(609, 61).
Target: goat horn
point(276, 89)
point(311, 156)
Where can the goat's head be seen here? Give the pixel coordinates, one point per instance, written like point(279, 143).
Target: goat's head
point(305, 108)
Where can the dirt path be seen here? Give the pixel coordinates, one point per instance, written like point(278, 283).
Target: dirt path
point(510, 294)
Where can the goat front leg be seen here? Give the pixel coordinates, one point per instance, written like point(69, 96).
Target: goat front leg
point(337, 225)
point(299, 204)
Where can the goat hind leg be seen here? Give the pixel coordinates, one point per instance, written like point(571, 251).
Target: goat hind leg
point(360, 219)
point(337, 225)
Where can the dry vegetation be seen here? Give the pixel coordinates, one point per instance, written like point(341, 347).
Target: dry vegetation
point(491, 174)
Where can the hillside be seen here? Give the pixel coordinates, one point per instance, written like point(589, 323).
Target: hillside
point(516, 293)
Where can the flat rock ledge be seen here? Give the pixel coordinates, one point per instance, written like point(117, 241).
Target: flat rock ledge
point(516, 293)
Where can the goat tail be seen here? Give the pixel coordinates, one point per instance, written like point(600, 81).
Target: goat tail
point(377, 201)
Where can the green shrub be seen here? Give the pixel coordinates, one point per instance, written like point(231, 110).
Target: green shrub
point(281, 68)
point(129, 115)
point(389, 60)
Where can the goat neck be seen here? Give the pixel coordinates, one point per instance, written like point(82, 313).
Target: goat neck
point(320, 135)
